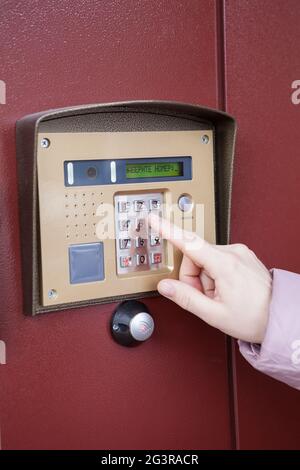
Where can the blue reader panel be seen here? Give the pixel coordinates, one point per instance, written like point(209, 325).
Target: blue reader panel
point(86, 262)
point(126, 171)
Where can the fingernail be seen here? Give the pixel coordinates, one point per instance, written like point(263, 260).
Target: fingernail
point(166, 288)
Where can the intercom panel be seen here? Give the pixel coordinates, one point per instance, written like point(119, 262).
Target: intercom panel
point(95, 174)
point(94, 238)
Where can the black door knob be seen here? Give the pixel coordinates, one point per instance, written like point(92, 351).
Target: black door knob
point(131, 323)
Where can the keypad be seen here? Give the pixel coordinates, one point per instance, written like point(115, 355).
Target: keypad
point(137, 248)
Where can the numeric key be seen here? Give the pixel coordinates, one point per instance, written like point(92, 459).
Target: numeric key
point(154, 204)
point(125, 243)
point(140, 242)
point(140, 205)
point(141, 260)
point(124, 225)
point(154, 240)
point(125, 261)
point(156, 258)
point(124, 206)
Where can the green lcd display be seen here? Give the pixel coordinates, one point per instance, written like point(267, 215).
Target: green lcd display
point(154, 170)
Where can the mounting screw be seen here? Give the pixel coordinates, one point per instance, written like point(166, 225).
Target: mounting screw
point(52, 294)
point(205, 139)
point(45, 143)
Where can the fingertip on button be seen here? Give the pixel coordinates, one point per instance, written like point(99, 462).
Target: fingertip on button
point(153, 220)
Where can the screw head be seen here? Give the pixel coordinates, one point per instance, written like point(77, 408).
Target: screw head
point(45, 143)
point(52, 294)
point(205, 139)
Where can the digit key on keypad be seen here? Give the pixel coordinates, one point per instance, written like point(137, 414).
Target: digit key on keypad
point(140, 206)
point(154, 204)
point(124, 206)
point(140, 242)
point(140, 224)
point(141, 259)
point(125, 243)
point(154, 240)
point(156, 258)
point(125, 261)
point(124, 224)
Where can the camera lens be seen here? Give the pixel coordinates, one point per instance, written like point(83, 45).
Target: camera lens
point(91, 172)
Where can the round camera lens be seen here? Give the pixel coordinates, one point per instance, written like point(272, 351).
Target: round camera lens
point(91, 172)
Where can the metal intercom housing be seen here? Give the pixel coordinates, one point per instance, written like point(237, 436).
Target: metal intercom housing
point(135, 157)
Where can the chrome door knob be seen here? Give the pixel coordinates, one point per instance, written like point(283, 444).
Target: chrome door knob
point(131, 323)
point(141, 326)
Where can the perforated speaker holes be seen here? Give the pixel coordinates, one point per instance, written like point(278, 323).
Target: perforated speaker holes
point(80, 214)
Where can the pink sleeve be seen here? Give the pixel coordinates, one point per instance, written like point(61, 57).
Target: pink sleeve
point(279, 354)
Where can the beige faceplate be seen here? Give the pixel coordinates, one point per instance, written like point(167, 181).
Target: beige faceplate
point(68, 215)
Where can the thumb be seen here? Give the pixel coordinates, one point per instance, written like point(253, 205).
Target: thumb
point(191, 299)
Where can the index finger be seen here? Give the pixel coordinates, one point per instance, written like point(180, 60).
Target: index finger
point(194, 247)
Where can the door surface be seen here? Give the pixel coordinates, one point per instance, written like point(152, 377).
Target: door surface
point(262, 61)
point(66, 384)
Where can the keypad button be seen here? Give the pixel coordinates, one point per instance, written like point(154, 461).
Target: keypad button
point(140, 242)
point(154, 204)
point(140, 206)
point(124, 206)
point(156, 258)
point(140, 224)
point(141, 260)
point(154, 240)
point(125, 243)
point(125, 261)
point(124, 224)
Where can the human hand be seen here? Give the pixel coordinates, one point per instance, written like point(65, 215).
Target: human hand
point(226, 286)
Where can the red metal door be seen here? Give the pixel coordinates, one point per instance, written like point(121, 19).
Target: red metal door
point(66, 384)
point(262, 51)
